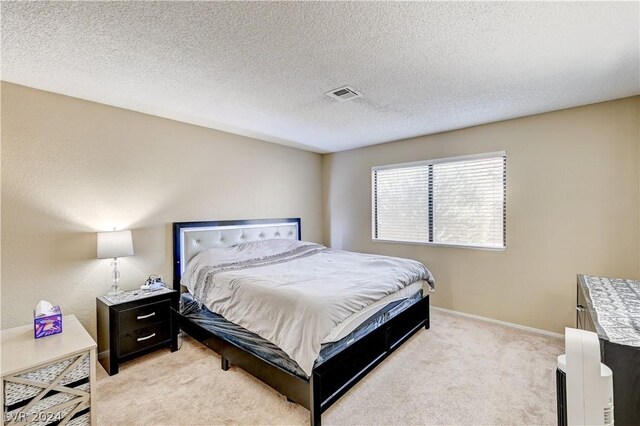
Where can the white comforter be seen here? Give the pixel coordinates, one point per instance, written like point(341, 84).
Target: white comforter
point(294, 293)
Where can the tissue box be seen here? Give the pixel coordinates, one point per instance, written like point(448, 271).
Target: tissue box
point(46, 325)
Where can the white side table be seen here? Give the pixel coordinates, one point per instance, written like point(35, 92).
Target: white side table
point(48, 380)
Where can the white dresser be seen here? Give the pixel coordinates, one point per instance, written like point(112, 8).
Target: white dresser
point(48, 380)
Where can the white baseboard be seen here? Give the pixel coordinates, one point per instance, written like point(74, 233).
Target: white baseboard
point(495, 321)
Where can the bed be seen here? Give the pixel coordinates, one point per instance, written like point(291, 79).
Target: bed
point(327, 357)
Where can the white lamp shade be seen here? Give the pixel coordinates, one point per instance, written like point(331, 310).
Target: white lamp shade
point(115, 244)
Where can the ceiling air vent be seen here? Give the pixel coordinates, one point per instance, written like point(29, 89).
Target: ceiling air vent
point(344, 93)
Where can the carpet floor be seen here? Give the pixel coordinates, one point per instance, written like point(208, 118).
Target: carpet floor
point(460, 372)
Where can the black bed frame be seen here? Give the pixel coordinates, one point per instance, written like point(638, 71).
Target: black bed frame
point(333, 377)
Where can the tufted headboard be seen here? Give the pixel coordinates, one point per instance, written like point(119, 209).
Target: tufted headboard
point(190, 238)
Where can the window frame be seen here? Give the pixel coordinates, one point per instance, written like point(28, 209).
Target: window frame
point(479, 156)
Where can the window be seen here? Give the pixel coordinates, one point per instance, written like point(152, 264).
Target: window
point(459, 201)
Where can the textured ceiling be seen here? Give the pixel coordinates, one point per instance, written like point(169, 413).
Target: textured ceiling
point(261, 68)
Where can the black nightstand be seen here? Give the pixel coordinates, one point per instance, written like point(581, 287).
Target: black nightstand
point(134, 323)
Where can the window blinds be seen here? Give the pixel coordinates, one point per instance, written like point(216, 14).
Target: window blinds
point(453, 201)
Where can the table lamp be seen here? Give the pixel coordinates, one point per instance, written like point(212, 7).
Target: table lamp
point(112, 245)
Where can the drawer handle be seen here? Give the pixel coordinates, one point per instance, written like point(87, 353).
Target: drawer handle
point(146, 316)
point(579, 308)
point(140, 339)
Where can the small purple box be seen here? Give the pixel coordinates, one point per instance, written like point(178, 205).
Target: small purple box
point(47, 325)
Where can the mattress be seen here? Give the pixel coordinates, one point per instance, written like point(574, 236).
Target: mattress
point(295, 294)
point(269, 352)
point(351, 323)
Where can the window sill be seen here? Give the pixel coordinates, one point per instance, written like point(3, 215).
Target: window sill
point(418, 243)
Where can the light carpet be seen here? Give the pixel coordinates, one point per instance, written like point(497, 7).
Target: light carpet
point(460, 372)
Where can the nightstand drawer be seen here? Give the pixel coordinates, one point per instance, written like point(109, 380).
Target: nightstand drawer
point(141, 338)
point(144, 315)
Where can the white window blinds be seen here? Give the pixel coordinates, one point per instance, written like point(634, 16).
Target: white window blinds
point(452, 201)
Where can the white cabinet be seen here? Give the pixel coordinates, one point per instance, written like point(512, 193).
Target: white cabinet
point(48, 380)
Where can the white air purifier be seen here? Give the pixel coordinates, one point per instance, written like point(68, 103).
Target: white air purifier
point(585, 385)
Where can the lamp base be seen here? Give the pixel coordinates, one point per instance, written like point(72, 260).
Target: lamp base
point(115, 287)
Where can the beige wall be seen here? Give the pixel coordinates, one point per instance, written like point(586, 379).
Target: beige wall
point(72, 167)
point(572, 207)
